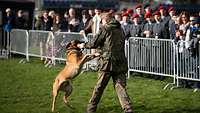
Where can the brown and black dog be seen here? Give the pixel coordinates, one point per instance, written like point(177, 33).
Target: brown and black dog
point(74, 63)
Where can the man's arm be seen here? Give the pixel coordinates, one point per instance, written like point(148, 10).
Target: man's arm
point(98, 40)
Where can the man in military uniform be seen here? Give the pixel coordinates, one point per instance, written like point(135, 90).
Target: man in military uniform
point(136, 27)
point(113, 63)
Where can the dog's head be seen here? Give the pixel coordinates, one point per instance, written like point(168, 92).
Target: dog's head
point(73, 45)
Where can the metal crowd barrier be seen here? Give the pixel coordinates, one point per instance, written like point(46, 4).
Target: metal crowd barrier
point(41, 44)
point(19, 42)
point(146, 55)
point(188, 62)
point(4, 43)
point(151, 56)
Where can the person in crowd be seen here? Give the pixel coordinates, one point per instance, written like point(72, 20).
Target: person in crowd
point(91, 13)
point(164, 16)
point(46, 22)
point(52, 16)
point(73, 22)
point(38, 21)
point(165, 19)
point(147, 8)
point(9, 20)
point(147, 30)
point(126, 23)
point(93, 27)
point(172, 25)
point(118, 16)
point(96, 21)
point(136, 27)
point(171, 11)
point(129, 12)
point(138, 10)
point(184, 16)
point(177, 20)
point(124, 10)
point(21, 22)
point(159, 31)
point(192, 33)
point(8, 25)
point(85, 20)
point(110, 39)
point(46, 25)
point(112, 12)
point(64, 25)
point(179, 37)
point(192, 41)
point(57, 23)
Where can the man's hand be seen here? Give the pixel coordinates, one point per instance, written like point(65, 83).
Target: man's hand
point(82, 45)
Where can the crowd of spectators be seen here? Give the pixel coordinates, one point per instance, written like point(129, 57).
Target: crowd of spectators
point(139, 21)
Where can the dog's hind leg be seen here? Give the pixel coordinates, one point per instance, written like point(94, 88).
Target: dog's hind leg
point(68, 91)
point(54, 93)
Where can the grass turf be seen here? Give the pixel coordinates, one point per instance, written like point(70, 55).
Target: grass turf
point(26, 88)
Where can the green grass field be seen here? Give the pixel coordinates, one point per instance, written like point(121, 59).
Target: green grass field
point(26, 88)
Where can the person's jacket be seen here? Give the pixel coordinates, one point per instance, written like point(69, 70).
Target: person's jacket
point(111, 39)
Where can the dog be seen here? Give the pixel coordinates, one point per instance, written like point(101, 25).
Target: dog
point(74, 63)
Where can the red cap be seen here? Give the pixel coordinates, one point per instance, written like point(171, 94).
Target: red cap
point(147, 15)
point(156, 13)
point(130, 11)
point(138, 6)
point(135, 16)
point(125, 14)
point(161, 7)
point(170, 9)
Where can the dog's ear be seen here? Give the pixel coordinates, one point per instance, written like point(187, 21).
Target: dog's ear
point(68, 45)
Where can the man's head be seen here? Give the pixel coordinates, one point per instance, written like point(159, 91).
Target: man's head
point(135, 18)
point(193, 20)
point(138, 9)
point(118, 17)
point(125, 17)
point(72, 12)
point(97, 11)
point(8, 11)
point(157, 16)
point(105, 18)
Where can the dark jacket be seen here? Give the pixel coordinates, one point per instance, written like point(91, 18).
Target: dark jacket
point(21, 23)
point(9, 23)
point(159, 30)
point(46, 25)
point(135, 30)
point(111, 40)
point(83, 25)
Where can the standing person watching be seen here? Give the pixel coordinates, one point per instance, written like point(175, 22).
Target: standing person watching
point(21, 22)
point(9, 24)
point(113, 63)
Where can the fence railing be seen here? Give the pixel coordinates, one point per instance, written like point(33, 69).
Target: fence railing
point(152, 56)
point(146, 55)
point(188, 62)
point(19, 42)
